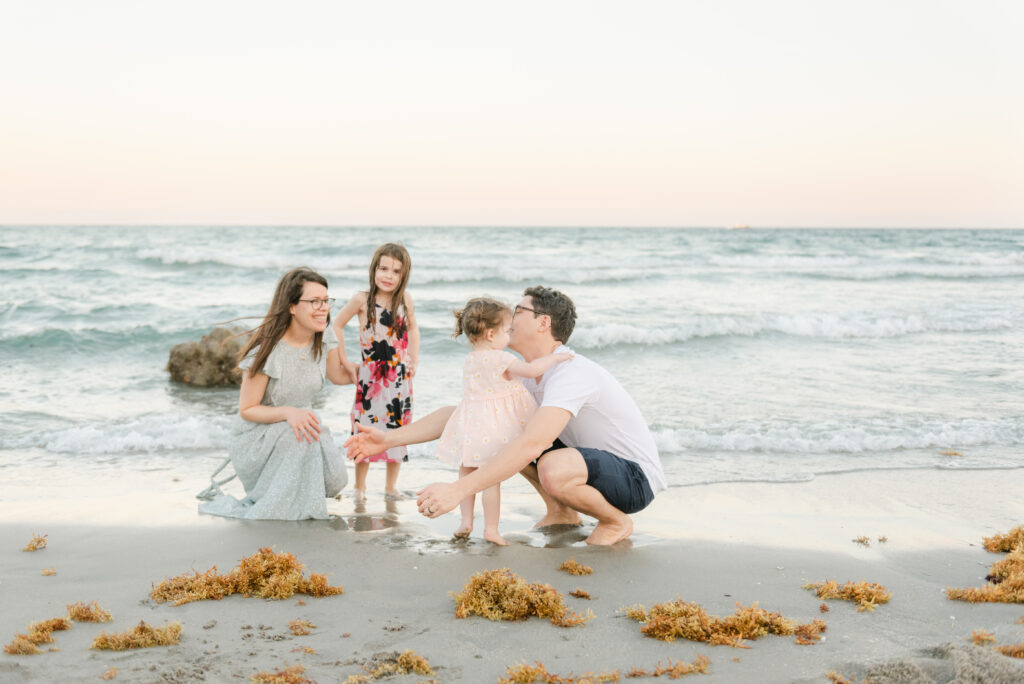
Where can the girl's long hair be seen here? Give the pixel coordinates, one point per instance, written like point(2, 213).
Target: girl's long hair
point(399, 253)
point(278, 318)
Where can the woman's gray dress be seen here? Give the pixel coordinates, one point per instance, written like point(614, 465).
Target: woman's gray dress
point(284, 479)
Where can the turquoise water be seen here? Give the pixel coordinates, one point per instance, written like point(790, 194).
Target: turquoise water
point(765, 355)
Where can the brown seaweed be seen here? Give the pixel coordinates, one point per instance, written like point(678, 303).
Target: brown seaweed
point(675, 670)
point(1006, 582)
point(264, 574)
point(38, 542)
point(865, 594)
point(140, 636)
point(110, 674)
point(301, 627)
point(980, 637)
point(289, 675)
point(49, 572)
point(21, 645)
point(573, 568)
point(580, 594)
point(680, 619)
point(1014, 650)
point(502, 595)
point(537, 673)
point(387, 664)
point(862, 540)
point(91, 612)
point(1004, 543)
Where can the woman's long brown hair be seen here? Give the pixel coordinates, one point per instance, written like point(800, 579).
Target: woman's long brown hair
point(398, 253)
point(278, 318)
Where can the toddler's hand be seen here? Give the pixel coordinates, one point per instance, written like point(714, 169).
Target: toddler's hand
point(564, 356)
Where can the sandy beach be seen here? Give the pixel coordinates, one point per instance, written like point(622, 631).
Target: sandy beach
point(715, 545)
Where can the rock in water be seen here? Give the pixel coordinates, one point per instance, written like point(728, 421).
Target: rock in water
point(210, 362)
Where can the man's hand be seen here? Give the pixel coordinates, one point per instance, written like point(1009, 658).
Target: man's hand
point(437, 499)
point(365, 443)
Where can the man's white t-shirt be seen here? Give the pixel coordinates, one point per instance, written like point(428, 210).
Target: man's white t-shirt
point(604, 416)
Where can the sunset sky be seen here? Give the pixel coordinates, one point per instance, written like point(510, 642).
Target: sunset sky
point(673, 113)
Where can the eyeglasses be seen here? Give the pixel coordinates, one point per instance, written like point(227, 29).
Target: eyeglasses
point(320, 303)
point(520, 307)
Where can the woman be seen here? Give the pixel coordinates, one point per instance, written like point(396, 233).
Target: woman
point(283, 456)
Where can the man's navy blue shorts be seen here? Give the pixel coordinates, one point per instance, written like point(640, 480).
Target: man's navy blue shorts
point(622, 483)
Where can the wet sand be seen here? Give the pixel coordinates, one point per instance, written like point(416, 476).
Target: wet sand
point(715, 545)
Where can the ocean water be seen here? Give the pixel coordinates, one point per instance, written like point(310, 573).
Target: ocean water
point(755, 355)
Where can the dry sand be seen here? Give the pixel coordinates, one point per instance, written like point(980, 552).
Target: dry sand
point(716, 545)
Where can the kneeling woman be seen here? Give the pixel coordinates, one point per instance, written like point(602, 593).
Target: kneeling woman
point(284, 457)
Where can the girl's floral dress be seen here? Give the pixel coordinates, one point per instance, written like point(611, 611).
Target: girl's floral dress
point(383, 389)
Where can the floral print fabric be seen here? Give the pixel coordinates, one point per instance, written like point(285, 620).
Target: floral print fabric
point(383, 388)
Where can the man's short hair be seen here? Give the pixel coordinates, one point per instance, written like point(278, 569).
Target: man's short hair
point(556, 305)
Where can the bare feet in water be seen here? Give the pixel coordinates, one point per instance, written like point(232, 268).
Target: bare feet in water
point(570, 517)
point(465, 529)
point(359, 496)
point(606, 534)
point(495, 538)
point(394, 495)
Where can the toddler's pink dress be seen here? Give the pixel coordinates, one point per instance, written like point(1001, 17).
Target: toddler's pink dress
point(492, 412)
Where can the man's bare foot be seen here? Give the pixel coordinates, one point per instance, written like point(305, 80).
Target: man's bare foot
point(495, 538)
point(606, 534)
point(569, 517)
point(465, 529)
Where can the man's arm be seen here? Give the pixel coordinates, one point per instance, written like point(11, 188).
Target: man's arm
point(543, 429)
point(370, 441)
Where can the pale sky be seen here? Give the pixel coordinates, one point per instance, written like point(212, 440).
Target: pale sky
point(675, 113)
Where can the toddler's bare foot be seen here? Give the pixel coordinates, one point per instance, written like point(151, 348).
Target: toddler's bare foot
point(359, 496)
point(393, 495)
point(495, 538)
point(465, 529)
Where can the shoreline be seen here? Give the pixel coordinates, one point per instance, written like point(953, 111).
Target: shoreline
point(722, 544)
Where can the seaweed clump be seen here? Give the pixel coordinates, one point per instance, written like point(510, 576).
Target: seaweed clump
point(675, 619)
point(289, 675)
point(502, 595)
point(1014, 650)
point(110, 674)
point(49, 572)
point(38, 633)
point(264, 574)
point(80, 612)
point(140, 636)
point(1006, 582)
point(538, 674)
point(580, 594)
point(38, 542)
point(865, 594)
point(301, 627)
point(386, 664)
point(980, 637)
point(574, 568)
point(1004, 543)
point(675, 670)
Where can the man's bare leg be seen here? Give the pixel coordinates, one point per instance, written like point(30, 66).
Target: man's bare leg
point(557, 513)
point(563, 473)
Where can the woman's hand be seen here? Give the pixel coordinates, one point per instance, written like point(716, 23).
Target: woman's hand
point(365, 443)
point(305, 424)
point(410, 368)
point(437, 499)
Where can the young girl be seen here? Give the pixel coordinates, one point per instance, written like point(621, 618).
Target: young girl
point(390, 343)
point(495, 406)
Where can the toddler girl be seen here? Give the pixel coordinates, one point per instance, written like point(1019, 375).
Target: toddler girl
point(495, 406)
point(390, 343)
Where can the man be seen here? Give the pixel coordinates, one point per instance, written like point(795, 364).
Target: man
point(602, 459)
